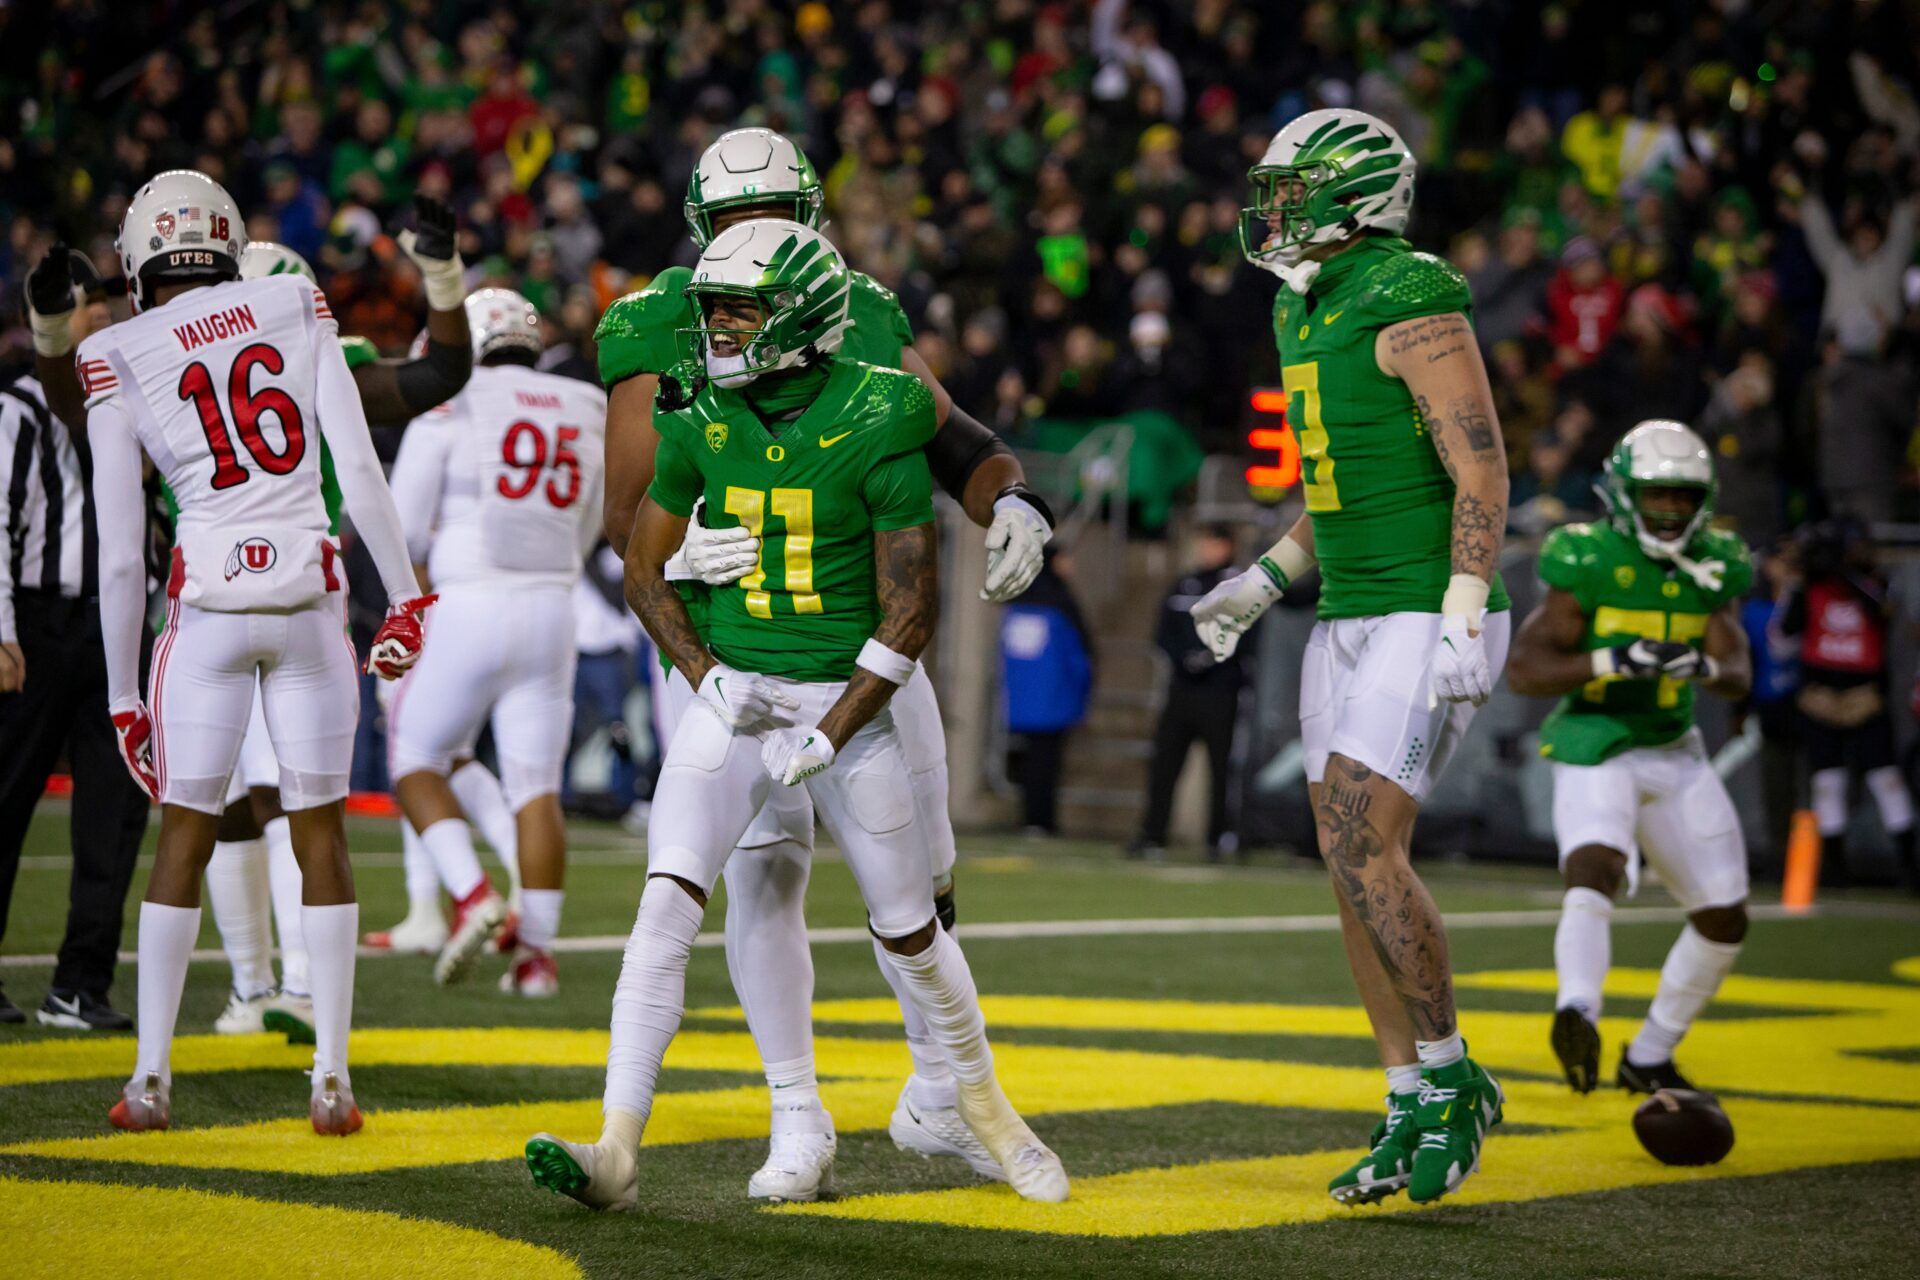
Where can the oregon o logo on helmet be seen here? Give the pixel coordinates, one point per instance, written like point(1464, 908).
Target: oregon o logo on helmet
point(252, 555)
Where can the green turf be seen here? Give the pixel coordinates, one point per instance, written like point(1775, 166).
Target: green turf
point(695, 1221)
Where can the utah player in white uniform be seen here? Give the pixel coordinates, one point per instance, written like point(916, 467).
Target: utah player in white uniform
point(227, 385)
point(501, 492)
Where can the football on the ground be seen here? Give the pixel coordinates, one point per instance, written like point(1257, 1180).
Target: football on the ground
point(1684, 1126)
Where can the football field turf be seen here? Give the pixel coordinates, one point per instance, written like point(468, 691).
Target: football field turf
point(1186, 1037)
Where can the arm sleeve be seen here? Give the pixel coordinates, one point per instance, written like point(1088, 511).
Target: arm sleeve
point(958, 448)
point(1817, 224)
point(898, 492)
point(344, 424)
point(120, 511)
point(419, 475)
point(676, 481)
point(9, 433)
point(435, 377)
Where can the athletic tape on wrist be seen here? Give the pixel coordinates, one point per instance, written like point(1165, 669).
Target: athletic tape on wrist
point(445, 283)
point(895, 668)
point(51, 336)
point(1285, 561)
point(1466, 597)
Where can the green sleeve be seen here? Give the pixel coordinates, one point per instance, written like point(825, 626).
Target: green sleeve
point(913, 426)
point(1410, 285)
point(358, 351)
point(640, 332)
point(1565, 558)
point(879, 329)
point(677, 483)
point(898, 492)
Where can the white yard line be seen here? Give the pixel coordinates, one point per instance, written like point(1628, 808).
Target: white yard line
point(1020, 929)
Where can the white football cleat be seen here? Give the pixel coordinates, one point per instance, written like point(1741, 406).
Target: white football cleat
point(421, 933)
point(598, 1177)
point(474, 921)
point(291, 1015)
point(532, 974)
point(1032, 1168)
point(146, 1102)
point(243, 1015)
point(332, 1110)
point(939, 1131)
point(799, 1158)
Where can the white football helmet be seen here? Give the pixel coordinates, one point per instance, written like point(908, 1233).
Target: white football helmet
point(180, 224)
point(796, 278)
point(501, 320)
point(265, 258)
point(1328, 175)
point(1659, 453)
point(754, 167)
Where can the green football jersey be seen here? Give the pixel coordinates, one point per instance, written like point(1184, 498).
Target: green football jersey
point(1628, 596)
point(1381, 502)
point(640, 332)
point(358, 351)
point(814, 493)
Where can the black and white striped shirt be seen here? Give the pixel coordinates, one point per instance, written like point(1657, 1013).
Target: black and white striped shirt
point(44, 504)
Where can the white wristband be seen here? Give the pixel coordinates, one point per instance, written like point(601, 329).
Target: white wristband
point(896, 668)
point(51, 335)
point(1466, 597)
point(1603, 662)
point(1289, 559)
point(445, 279)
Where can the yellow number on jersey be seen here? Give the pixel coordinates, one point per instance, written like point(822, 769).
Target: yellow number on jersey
point(795, 506)
point(1303, 380)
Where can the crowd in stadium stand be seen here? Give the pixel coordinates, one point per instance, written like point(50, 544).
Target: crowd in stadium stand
point(1651, 222)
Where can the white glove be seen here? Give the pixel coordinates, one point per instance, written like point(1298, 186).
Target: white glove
point(1014, 542)
point(1223, 615)
point(794, 755)
point(742, 698)
point(720, 556)
point(1461, 672)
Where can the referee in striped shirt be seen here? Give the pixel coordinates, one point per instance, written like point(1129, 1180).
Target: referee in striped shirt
point(53, 689)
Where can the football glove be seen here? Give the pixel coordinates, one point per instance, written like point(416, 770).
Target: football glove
point(1460, 671)
point(719, 556)
point(430, 243)
point(741, 698)
point(1690, 664)
point(133, 728)
point(396, 646)
point(794, 755)
point(1225, 613)
point(1014, 548)
point(50, 302)
point(1641, 660)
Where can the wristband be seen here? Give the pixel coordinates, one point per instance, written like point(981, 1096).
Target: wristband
point(51, 336)
point(1603, 663)
point(1029, 497)
point(895, 668)
point(444, 278)
point(1285, 561)
point(1466, 598)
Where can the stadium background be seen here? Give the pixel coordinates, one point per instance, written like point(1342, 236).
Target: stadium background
point(1052, 190)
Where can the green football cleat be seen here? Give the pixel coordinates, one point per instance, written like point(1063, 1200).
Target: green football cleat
point(1389, 1159)
point(1458, 1106)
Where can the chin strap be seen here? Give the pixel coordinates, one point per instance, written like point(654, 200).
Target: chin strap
point(1708, 575)
point(1297, 276)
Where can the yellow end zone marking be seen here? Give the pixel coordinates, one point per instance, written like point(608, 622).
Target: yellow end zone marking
point(66, 1229)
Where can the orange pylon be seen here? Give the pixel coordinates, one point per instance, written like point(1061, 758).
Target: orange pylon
point(1802, 880)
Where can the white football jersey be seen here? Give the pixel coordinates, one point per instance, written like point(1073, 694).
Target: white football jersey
point(504, 481)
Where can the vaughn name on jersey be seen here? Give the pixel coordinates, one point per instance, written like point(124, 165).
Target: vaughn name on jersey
point(218, 387)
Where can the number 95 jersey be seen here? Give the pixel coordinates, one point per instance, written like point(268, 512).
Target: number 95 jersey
point(502, 484)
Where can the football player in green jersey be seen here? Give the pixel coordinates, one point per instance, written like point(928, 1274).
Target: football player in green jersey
point(254, 854)
point(1639, 609)
point(1406, 497)
point(748, 174)
point(794, 667)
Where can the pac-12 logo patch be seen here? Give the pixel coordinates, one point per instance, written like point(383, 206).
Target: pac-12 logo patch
point(716, 436)
point(1623, 574)
point(255, 555)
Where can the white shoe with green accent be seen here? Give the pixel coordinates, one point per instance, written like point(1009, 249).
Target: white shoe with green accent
point(598, 1177)
point(931, 1132)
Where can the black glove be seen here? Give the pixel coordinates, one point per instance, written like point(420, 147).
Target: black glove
point(679, 388)
point(1690, 664)
point(434, 228)
point(1641, 660)
point(50, 285)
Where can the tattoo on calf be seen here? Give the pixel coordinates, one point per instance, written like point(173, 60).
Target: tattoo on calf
point(1387, 899)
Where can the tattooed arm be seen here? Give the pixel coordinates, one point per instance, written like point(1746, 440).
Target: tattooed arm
point(657, 533)
point(906, 578)
point(1438, 359)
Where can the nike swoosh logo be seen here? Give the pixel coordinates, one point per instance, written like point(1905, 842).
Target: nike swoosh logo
point(827, 442)
point(1446, 1113)
point(1331, 316)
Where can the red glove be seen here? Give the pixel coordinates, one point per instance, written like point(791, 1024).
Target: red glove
point(134, 729)
point(396, 646)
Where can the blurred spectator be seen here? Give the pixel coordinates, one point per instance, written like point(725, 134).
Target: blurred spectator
point(1202, 704)
point(1510, 289)
point(1583, 305)
point(1865, 274)
point(1745, 431)
point(1046, 675)
point(1862, 418)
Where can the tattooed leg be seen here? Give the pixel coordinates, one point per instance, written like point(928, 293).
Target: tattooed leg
point(1365, 825)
